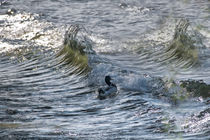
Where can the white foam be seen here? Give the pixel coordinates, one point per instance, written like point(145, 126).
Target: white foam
point(6, 47)
point(135, 82)
point(25, 27)
point(123, 80)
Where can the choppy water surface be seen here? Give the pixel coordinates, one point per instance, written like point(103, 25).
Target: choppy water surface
point(54, 55)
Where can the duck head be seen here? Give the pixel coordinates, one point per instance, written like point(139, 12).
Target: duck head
point(108, 80)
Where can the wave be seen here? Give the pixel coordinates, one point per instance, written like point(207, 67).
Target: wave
point(4, 2)
point(134, 9)
point(25, 30)
point(176, 44)
point(78, 54)
point(74, 52)
point(199, 122)
point(184, 47)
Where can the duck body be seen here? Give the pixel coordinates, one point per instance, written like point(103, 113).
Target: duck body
point(108, 91)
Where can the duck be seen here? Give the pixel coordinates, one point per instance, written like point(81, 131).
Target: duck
point(109, 91)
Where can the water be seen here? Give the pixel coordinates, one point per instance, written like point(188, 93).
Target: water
point(54, 55)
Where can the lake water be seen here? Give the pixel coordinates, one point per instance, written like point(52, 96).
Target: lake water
point(55, 54)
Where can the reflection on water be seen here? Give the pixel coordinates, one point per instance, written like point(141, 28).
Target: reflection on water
point(49, 73)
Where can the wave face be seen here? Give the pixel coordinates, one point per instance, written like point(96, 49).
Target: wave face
point(54, 55)
point(74, 53)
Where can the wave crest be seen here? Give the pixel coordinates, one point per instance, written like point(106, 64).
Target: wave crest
point(75, 50)
point(185, 45)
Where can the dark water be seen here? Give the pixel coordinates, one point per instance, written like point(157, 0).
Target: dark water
point(54, 55)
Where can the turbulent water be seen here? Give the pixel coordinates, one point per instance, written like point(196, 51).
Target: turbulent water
point(54, 55)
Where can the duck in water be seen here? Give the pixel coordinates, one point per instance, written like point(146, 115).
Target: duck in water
point(109, 91)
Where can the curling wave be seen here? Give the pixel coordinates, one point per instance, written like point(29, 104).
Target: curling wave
point(76, 50)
